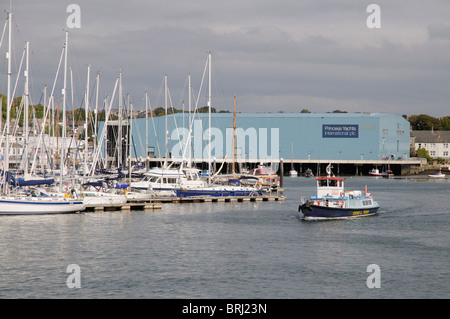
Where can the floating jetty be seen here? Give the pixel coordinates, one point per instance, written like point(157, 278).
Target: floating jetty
point(219, 199)
point(122, 207)
point(156, 202)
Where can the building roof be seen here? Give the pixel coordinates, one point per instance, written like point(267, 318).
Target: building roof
point(431, 136)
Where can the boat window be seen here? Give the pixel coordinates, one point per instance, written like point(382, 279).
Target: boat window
point(367, 202)
point(332, 182)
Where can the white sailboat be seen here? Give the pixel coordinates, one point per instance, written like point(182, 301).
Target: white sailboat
point(29, 204)
point(16, 205)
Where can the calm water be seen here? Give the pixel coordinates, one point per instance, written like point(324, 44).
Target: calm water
point(237, 250)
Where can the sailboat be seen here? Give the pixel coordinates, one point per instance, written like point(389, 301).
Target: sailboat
point(29, 203)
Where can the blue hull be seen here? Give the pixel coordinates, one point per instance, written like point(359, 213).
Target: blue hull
point(216, 193)
point(320, 212)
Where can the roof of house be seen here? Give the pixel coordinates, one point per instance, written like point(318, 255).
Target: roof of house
point(431, 136)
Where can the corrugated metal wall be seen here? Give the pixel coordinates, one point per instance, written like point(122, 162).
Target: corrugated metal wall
point(269, 136)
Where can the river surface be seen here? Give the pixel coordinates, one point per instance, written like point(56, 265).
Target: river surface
point(237, 250)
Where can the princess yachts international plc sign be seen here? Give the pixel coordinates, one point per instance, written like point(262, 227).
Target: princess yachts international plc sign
point(340, 130)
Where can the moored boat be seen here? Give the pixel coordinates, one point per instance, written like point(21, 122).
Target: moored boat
point(387, 174)
point(28, 205)
point(375, 172)
point(333, 202)
point(437, 175)
point(309, 173)
point(91, 197)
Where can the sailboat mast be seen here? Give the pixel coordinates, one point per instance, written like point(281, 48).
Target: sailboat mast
point(119, 135)
point(26, 103)
point(165, 106)
point(234, 132)
point(146, 131)
point(63, 135)
point(130, 144)
point(8, 97)
point(190, 125)
point(209, 117)
point(86, 123)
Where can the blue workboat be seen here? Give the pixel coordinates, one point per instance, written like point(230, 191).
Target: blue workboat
point(333, 202)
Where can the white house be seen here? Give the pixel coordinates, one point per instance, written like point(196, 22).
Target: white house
point(437, 143)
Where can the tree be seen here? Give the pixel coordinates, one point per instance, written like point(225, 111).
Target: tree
point(421, 152)
point(423, 122)
point(445, 123)
point(339, 111)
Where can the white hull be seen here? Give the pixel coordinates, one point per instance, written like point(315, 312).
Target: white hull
point(100, 198)
point(39, 205)
point(437, 176)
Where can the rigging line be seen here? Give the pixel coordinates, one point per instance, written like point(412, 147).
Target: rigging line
point(17, 80)
point(49, 103)
point(173, 114)
point(3, 34)
point(154, 130)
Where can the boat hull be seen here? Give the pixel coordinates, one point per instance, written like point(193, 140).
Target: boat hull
point(437, 176)
point(34, 207)
point(315, 212)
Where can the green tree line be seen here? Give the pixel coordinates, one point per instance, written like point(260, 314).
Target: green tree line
point(425, 122)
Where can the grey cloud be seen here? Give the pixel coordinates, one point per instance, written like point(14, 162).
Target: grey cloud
point(439, 31)
point(276, 55)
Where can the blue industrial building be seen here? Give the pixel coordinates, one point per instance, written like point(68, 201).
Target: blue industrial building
point(271, 136)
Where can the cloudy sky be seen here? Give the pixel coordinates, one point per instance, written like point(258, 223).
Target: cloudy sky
point(283, 55)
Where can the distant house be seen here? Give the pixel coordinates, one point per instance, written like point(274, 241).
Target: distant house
point(437, 143)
